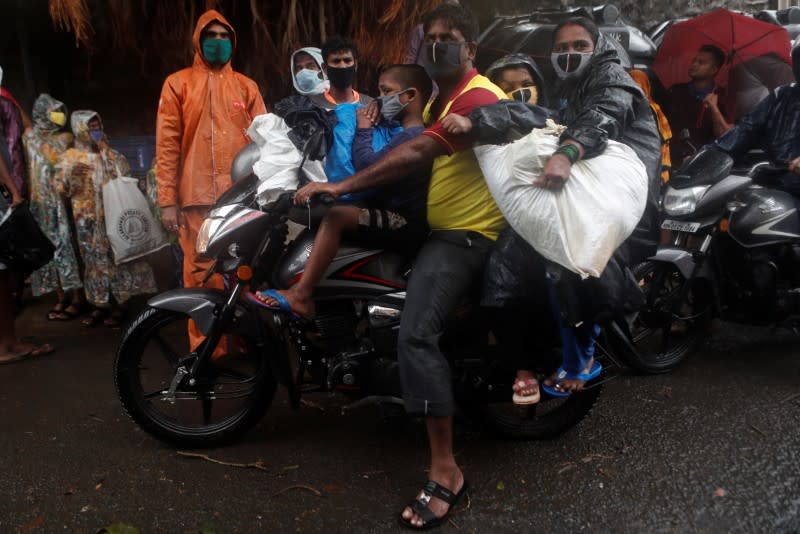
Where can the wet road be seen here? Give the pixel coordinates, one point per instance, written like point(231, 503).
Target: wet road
point(711, 447)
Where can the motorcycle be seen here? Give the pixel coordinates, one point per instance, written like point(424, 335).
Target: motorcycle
point(733, 254)
point(202, 398)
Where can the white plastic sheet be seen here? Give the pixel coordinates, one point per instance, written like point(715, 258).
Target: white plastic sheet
point(279, 160)
point(580, 226)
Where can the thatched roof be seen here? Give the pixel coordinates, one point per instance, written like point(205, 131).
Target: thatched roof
point(157, 33)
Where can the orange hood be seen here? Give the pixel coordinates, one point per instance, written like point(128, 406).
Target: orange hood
point(205, 19)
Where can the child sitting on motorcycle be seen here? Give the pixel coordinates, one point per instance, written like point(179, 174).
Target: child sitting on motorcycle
point(393, 215)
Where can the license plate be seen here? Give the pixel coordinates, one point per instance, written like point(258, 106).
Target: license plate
point(680, 226)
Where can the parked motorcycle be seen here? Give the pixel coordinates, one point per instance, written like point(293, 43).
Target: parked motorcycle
point(196, 398)
point(734, 254)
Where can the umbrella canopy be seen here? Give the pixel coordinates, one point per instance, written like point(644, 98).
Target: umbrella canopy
point(742, 38)
point(751, 81)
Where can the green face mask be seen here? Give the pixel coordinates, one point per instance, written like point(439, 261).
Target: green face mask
point(217, 51)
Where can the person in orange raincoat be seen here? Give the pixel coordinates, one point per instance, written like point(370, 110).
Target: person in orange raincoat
point(664, 129)
point(203, 113)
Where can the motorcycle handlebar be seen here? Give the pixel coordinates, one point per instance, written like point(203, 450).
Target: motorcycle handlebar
point(325, 198)
point(765, 170)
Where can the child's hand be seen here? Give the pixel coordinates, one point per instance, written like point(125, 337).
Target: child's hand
point(367, 117)
point(456, 124)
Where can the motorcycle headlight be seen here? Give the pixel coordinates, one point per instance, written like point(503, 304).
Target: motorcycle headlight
point(207, 231)
point(683, 201)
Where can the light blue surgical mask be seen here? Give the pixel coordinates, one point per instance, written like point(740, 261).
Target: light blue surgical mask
point(96, 135)
point(307, 80)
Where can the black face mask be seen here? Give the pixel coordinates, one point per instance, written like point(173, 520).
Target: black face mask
point(341, 78)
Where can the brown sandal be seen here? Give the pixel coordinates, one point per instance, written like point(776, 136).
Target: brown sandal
point(94, 318)
point(57, 311)
point(115, 319)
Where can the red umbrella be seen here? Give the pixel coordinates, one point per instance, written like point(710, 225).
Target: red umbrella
point(742, 38)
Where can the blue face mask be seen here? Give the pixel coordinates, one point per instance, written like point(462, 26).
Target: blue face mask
point(96, 135)
point(217, 51)
point(307, 80)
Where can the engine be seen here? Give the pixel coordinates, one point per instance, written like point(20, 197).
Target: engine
point(762, 284)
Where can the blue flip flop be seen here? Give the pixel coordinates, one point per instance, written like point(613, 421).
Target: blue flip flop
point(561, 374)
point(282, 307)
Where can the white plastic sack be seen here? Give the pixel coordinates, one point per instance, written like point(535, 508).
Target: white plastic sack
point(580, 226)
point(132, 230)
point(279, 160)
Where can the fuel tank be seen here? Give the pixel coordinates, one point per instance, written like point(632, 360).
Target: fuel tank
point(355, 271)
point(769, 216)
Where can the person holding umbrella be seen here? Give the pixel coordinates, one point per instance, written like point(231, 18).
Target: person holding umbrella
point(772, 127)
point(713, 46)
point(696, 105)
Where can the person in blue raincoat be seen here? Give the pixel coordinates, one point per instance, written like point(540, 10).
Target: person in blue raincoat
point(772, 126)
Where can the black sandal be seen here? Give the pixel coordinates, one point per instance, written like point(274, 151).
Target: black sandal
point(72, 311)
point(420, 505)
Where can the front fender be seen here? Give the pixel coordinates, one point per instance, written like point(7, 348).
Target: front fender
point(202, 305)
point(680, 258)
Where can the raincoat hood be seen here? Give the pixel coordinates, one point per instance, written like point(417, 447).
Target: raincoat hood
point(520, 60)
point(41, 113)
point(205, 19)
point(315, 53)
point(79, 123)
point(609, 51)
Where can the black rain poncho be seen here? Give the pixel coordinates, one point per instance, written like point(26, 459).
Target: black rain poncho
point(773, 126)
point(311, 126)
point(604, 103)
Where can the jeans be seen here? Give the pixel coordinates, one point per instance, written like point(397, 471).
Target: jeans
point(447, 267)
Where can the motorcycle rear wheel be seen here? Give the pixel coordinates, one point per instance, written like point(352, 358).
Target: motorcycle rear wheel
point(664, 339)
point(547, 419)
point(231, 398)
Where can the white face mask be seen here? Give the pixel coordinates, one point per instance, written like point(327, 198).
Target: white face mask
point(570, 64)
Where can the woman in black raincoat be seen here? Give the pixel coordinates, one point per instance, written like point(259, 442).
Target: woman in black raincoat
point(598, 101)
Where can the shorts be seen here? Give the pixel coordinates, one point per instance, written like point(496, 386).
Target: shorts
point(389, 229)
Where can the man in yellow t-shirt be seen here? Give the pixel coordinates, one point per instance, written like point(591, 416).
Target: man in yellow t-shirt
point(464, 220)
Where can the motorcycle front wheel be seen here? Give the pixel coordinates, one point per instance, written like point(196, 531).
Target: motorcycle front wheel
point(665, 331)
point(218, 407)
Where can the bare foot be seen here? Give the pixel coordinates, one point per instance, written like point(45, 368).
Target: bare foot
point(23, 351)
point(452, 480)
point(567, 384)
point(13, 355)
point(303, 307)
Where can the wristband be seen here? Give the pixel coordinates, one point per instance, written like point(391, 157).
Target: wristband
point(571, 151)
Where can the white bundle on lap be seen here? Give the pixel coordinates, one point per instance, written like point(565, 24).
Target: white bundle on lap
point(580, 226)
point(279, 160)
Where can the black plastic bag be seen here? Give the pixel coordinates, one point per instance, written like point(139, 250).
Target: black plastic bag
point(23, 245)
